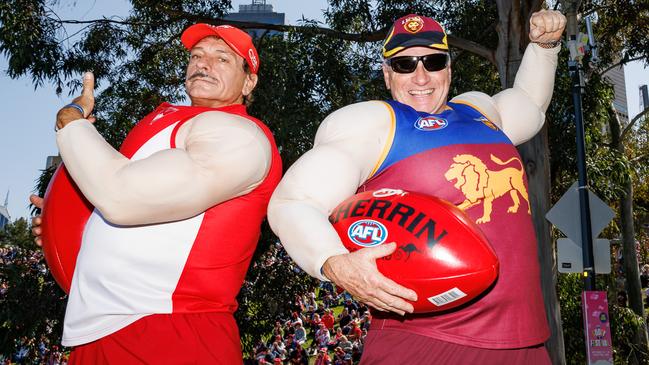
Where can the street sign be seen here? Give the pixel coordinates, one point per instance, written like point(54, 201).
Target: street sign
point(570, 258)
point(565, 214)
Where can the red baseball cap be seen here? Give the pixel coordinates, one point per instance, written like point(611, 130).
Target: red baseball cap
point(238, 40)
point(414, 30)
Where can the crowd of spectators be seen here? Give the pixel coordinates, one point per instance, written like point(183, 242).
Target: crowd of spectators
point(327, 328)
point(15, 260)
point(29, 351)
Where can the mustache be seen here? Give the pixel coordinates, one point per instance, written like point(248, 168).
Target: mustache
point(201, 74)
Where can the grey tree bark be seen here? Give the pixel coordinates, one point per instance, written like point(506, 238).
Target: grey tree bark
point(631, 269)
point(512, 33)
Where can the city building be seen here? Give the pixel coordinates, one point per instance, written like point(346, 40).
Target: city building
point(53, 162)
point(643, 97)
point(5, 218)
point(258, 12)
point(616, 77)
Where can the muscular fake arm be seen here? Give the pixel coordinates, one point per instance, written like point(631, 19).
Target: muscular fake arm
point(347, 146)
point(219, 156)
point(520, 110)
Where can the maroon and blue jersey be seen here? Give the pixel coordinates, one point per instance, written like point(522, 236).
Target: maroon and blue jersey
point(461, 156)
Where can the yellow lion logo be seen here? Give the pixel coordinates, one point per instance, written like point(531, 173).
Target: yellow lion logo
point(477, 183)
point(413, 24)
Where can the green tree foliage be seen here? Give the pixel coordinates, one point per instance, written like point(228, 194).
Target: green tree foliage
point(606, 168)
point(31, 304)
point(625, 325)
point(609, 167)
point(306, 73)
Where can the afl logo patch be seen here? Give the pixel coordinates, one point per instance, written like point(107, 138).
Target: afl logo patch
point(430, 124)
point(367, 233)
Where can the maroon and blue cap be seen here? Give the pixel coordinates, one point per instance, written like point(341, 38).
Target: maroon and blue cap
point(414, 30)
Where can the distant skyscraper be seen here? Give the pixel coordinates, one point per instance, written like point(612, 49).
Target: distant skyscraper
point(644, 97)
point(616, 77)
point(4, 212)
point(53, 161)
point(258, 12)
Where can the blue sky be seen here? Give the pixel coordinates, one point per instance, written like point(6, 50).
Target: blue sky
point(27, 114)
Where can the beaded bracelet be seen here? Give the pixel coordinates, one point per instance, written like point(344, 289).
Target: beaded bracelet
point(549, 45)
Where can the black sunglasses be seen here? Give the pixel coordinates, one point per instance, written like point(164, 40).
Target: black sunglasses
point(408, 64)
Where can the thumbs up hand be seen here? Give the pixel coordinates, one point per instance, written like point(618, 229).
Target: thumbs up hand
point(81, 106)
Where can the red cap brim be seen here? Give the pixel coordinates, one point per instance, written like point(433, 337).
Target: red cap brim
point(239, 41)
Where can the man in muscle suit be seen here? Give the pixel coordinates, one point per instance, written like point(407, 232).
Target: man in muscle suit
point(177, 214)
point(420, 142)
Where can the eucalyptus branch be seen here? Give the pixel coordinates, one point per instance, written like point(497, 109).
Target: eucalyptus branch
point(621, 63)
point(361, 37)
point(490, 56)
point(101, 21)
point(640, 157)
point(633, 121)
point(69, 36)
point(597, 8)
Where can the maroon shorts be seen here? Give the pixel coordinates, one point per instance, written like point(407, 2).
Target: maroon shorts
point(387, 347)
point(196, 338)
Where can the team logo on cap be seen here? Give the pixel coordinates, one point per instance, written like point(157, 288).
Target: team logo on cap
point(430, 123)
point(253, 59)
point(367, 233)
point(413, 24)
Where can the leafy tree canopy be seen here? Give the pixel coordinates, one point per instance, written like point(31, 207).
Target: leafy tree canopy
point(308, 72)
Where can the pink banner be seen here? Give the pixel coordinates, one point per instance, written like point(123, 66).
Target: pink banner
point(597, 327)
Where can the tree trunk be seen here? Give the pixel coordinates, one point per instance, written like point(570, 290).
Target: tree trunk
point(512, 39)
point(631, 269)
point(535, 155)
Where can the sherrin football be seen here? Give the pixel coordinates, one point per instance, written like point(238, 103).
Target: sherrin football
point(441, 254)
point(65, 213)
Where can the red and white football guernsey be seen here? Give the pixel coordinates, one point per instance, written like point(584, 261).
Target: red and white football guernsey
point(195, 265)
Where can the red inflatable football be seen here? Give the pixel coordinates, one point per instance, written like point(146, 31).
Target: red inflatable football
point(441, 254)
point(65, 213)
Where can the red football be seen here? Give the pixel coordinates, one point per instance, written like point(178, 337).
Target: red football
point(65, 213)
point(441, 254)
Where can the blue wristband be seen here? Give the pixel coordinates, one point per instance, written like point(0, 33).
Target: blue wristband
point(77, 107)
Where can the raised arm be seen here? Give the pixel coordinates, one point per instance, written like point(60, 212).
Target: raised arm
point(219, 156)
point(520, 110)
point(347, 147)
